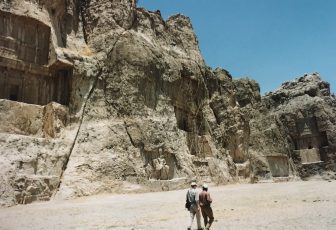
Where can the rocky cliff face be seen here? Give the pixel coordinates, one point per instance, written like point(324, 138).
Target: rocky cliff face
point(296, 121)
point(145, 113)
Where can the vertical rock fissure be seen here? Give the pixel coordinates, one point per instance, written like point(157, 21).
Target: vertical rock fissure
point(128, 134)
point(83, 112)
point(94, 84)
point(83, 21)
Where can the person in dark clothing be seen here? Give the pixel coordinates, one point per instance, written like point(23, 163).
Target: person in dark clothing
point(205, 203)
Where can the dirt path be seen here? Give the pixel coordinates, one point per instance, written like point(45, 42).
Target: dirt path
point(293, 205)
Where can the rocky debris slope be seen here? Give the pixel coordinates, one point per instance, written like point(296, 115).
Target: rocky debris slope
point(146, 113)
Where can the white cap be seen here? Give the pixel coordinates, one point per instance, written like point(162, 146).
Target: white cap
point(193, 183)
point(205, 186)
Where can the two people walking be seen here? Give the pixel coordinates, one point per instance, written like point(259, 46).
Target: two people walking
point(199, 202)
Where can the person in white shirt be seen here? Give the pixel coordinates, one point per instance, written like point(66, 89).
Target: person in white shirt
point(193, 198)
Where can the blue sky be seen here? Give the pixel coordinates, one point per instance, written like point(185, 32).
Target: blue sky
point(271, 41)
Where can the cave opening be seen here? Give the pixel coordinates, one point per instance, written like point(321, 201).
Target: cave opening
point(14, 92)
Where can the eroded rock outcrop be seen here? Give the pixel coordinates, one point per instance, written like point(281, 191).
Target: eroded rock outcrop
point(293, 131)
point(43, 58)
point(141, 110)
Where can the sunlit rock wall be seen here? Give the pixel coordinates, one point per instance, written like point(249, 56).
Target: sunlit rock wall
point(142, 111)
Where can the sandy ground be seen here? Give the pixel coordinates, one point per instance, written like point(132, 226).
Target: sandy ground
point(289, 205)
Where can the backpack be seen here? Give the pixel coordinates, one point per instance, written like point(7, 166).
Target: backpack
point(187, 205)
point(190, 198)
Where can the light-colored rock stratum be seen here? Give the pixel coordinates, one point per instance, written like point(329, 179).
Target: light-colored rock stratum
point(104, 97)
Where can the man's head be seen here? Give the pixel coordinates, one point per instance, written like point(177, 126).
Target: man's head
point(193, 184)
point(205, 187)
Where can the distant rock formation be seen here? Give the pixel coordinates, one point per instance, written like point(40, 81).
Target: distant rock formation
point(102, 96)
point(297, 122)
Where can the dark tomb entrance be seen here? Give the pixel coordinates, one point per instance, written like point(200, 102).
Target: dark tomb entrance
point(14, 93)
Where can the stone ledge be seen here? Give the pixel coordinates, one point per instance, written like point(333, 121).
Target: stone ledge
point(25, 67)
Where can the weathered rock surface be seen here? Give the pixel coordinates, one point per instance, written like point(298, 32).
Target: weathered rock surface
point(142, 111)
point(294, 129)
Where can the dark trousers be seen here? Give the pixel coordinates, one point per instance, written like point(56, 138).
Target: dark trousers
point(207, 216)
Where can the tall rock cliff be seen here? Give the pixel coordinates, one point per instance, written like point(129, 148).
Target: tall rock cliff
point(122, 101)
point(296, 124)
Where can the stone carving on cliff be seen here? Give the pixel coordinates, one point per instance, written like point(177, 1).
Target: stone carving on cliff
point(161, 169)
point(297, 122)
point(310, 141)
point(29, 73)
point(139, 107)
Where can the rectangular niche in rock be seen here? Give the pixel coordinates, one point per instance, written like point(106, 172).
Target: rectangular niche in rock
point(278, 165)
point(309, 140)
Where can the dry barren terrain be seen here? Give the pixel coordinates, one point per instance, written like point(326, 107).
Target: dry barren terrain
point(289, 205)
